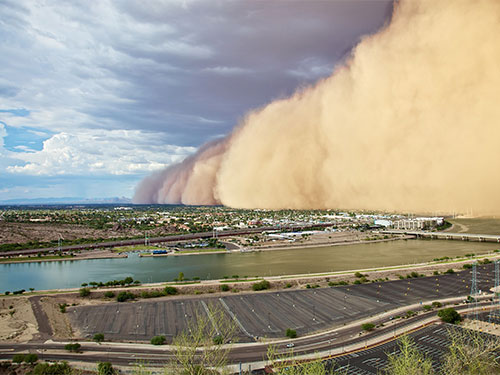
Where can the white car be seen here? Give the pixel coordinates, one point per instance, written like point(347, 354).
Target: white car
point(291, 345)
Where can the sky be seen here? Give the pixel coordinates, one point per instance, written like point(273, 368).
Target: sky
point(95, 95)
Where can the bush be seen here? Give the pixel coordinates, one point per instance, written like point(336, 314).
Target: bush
point(218, 340)
point(124, 296)
point(358, 274)
point(437, 304)
point(291, 333)
point(52, 369)
point(467, 266)
point(288, 285)
point(62, 307)
point(262, 285)
point(170, 290)
point(84, 292)
point(105, 368)
point(427, 307)
point(72, 347)
point(109, 294)
point(224, 288)
point(368, 326)
point(7, 293)
point(98, 337)
point(18, 358)
point(30, 358)
point(158, 340)
point(449, 315)
point(449, 271)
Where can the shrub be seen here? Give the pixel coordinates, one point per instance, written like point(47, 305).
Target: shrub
point(218, 340)
point(288, 285)
point(62, 307)
point(7, 293)
point(224, 288)
point(437, 304)
point(449, 315)
point(84, 292)
point(52, 369)
point(368, 326)
point(72, 347)
point(109, 294)
point(427, 307)
point(30, 358)
point(291, 333)
point(262, 285)
point(170, 290)
point(435, 273)
point(467, 266)
point(18, 358)
point(358, 274)
point(158, 340)
point(449, 271)
point(124, 296)
point(98, 337)
point(105, 368)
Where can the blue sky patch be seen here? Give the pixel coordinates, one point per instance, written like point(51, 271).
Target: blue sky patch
point(25, 139)
point(21, 112)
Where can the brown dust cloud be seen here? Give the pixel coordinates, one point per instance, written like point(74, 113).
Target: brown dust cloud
point(409, 122)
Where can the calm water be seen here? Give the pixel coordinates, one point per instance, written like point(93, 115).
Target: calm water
point(70, 274)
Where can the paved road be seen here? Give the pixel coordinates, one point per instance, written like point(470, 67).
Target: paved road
point(181, 237)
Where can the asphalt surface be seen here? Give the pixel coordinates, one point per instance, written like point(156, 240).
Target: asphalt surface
point(269, 314)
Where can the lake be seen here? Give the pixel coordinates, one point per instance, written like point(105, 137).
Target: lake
point(72, 273)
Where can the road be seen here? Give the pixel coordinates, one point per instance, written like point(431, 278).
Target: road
point(174, 238)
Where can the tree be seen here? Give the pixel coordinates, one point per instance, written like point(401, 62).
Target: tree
point(105, 368)
point(158, 340)
point(30, 358)
point(409, 361)
point(449, 315)
point(470, 352)
point(98, 337)
point(72, 347)
point(287, 364)
point(368, 326)
point(84, 292)
point(181, 276)
point(291, 333)
point(170, 290)
point(207, 332)
point(18, 358)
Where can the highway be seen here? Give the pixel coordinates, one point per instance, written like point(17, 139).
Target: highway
point(157, 356)
point(174, 238)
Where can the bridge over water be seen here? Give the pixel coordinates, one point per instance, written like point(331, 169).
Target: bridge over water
point(447, 235)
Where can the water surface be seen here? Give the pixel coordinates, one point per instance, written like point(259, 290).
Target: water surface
point(72, 273)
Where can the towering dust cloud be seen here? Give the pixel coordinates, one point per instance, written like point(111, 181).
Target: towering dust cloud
point(411, 122)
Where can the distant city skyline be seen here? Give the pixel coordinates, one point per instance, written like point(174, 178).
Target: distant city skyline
point(94, 96)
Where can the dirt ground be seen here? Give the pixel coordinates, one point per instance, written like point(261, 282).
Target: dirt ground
point(17, 321)
point(25, 232)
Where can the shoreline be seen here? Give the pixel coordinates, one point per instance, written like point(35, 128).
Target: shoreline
point(299, 278)
point(111, 254)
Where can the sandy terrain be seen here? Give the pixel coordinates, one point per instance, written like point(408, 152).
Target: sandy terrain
point(25, 232)
point(17, 323)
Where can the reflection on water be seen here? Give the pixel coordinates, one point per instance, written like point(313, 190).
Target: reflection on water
point(72, 273)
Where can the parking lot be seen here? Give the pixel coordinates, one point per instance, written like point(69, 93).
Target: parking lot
point(269, 314)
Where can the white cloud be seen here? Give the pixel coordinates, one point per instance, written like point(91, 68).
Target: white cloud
point(99, 152)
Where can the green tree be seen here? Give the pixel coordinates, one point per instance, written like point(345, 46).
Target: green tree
point(291, 333)
point(181, 276)
point(84, 292)
point(98, 337)
point(409, 361)
point(30, 358)
point(368, 326)
point(158, 340)
point(471, 353)
point(449, 315)
point(18, 358)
